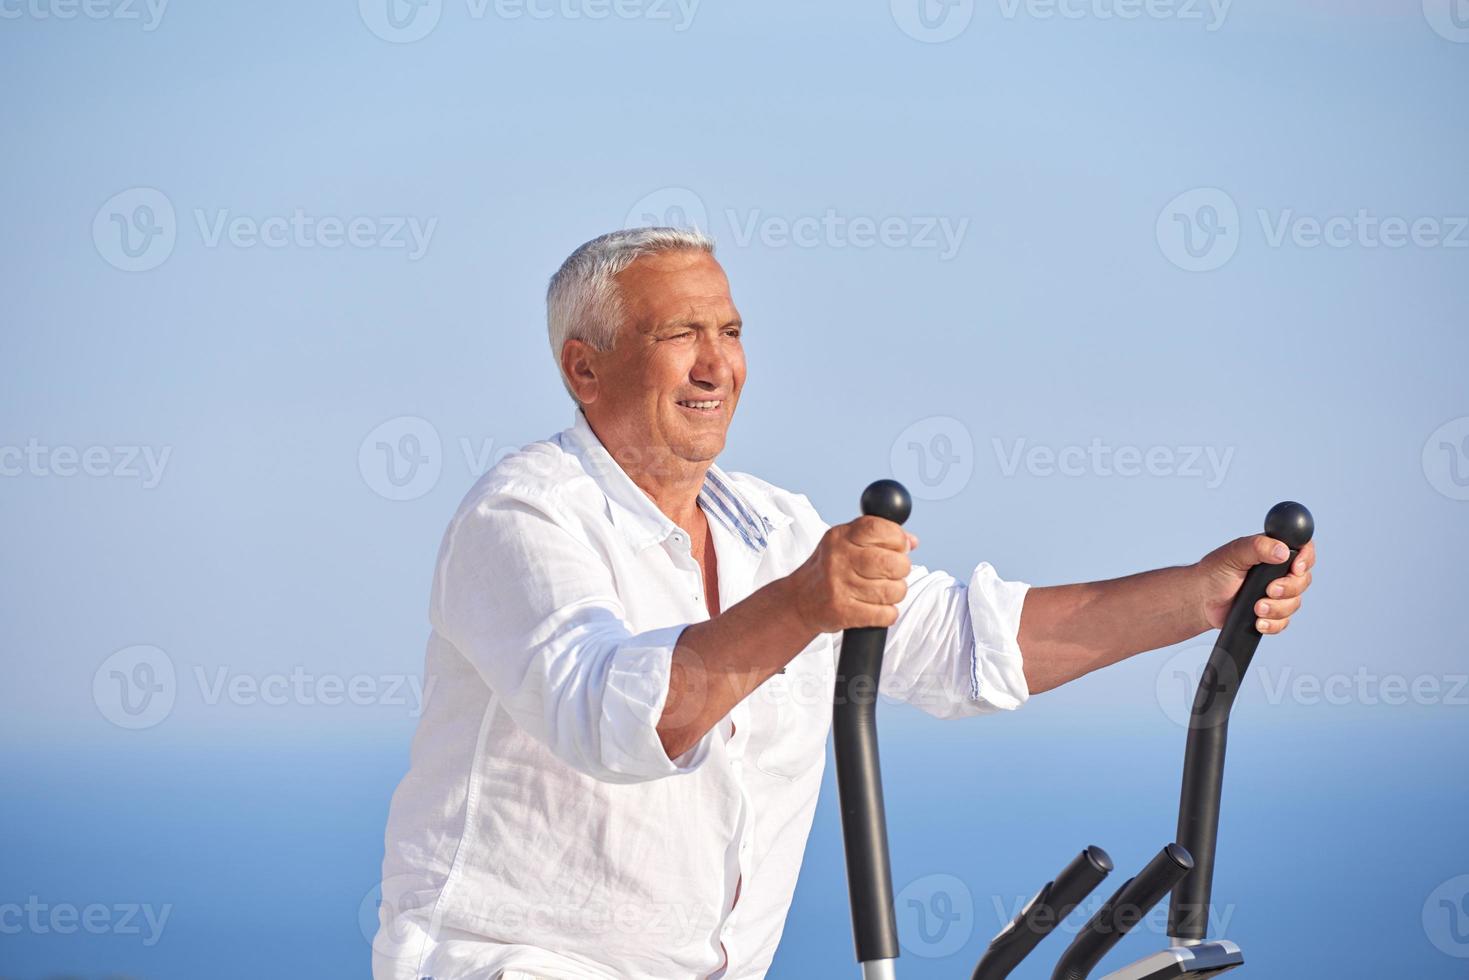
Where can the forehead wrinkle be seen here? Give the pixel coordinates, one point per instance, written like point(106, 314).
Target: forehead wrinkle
point(698, 314)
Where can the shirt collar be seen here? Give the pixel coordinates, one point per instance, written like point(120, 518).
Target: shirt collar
point(746, 513)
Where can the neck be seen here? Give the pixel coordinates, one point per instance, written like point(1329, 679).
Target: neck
point(671, 482)
point(676, 494)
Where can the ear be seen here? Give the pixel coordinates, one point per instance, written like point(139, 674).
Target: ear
point(578, 363)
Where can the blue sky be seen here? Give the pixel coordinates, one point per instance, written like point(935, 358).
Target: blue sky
point(1102, 288)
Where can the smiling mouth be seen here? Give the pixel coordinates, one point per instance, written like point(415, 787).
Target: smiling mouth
point(703, 406)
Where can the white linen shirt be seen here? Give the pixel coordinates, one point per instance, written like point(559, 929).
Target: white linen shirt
point(541, 826)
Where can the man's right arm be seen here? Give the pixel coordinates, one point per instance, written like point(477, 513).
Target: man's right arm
point(532, 605)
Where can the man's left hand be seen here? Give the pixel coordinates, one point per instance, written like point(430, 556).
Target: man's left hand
point(1223, 570)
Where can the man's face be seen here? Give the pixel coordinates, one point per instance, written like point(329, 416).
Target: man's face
point(672, 380)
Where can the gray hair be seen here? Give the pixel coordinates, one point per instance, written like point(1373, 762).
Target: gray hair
point(582, 301)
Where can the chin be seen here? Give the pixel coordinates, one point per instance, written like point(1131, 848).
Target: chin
point(702, 449)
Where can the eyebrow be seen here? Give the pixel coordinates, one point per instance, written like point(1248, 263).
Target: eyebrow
point(687, 322)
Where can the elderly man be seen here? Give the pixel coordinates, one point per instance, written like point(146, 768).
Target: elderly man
point(633, 654)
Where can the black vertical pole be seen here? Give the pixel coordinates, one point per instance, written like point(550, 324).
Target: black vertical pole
point(1208, 735)
point(859, 775)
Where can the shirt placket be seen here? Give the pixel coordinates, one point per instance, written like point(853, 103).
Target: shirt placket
point(735, 752)
point(736, 726)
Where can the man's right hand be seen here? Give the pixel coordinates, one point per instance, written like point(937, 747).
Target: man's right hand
point(855, 577)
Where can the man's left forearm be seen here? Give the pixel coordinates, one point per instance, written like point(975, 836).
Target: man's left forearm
point(1067, 631)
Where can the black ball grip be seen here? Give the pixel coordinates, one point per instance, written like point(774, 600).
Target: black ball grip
point(859, 775)
point(888, 499)
point(1290, 522)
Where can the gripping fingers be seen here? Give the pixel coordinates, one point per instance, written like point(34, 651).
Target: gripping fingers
point(879, 591)
point(1277, 608)
point(867, 532)
point(880, 563)
point(1290, 586)
point(876, 614)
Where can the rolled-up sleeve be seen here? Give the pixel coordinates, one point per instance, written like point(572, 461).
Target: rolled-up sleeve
point(955, 648)
point(534, 608)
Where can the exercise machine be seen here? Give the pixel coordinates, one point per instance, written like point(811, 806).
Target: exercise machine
point(1184, 868)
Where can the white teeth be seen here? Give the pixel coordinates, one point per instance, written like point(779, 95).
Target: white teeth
point(704, 405)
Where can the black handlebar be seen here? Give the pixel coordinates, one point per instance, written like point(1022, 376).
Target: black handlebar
point(1051, 905)
point(1187, 867)
point(1125, 909)
point(1203, 760)
point(859, 776)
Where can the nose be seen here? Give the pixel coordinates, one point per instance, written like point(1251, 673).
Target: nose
point(712, 369)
